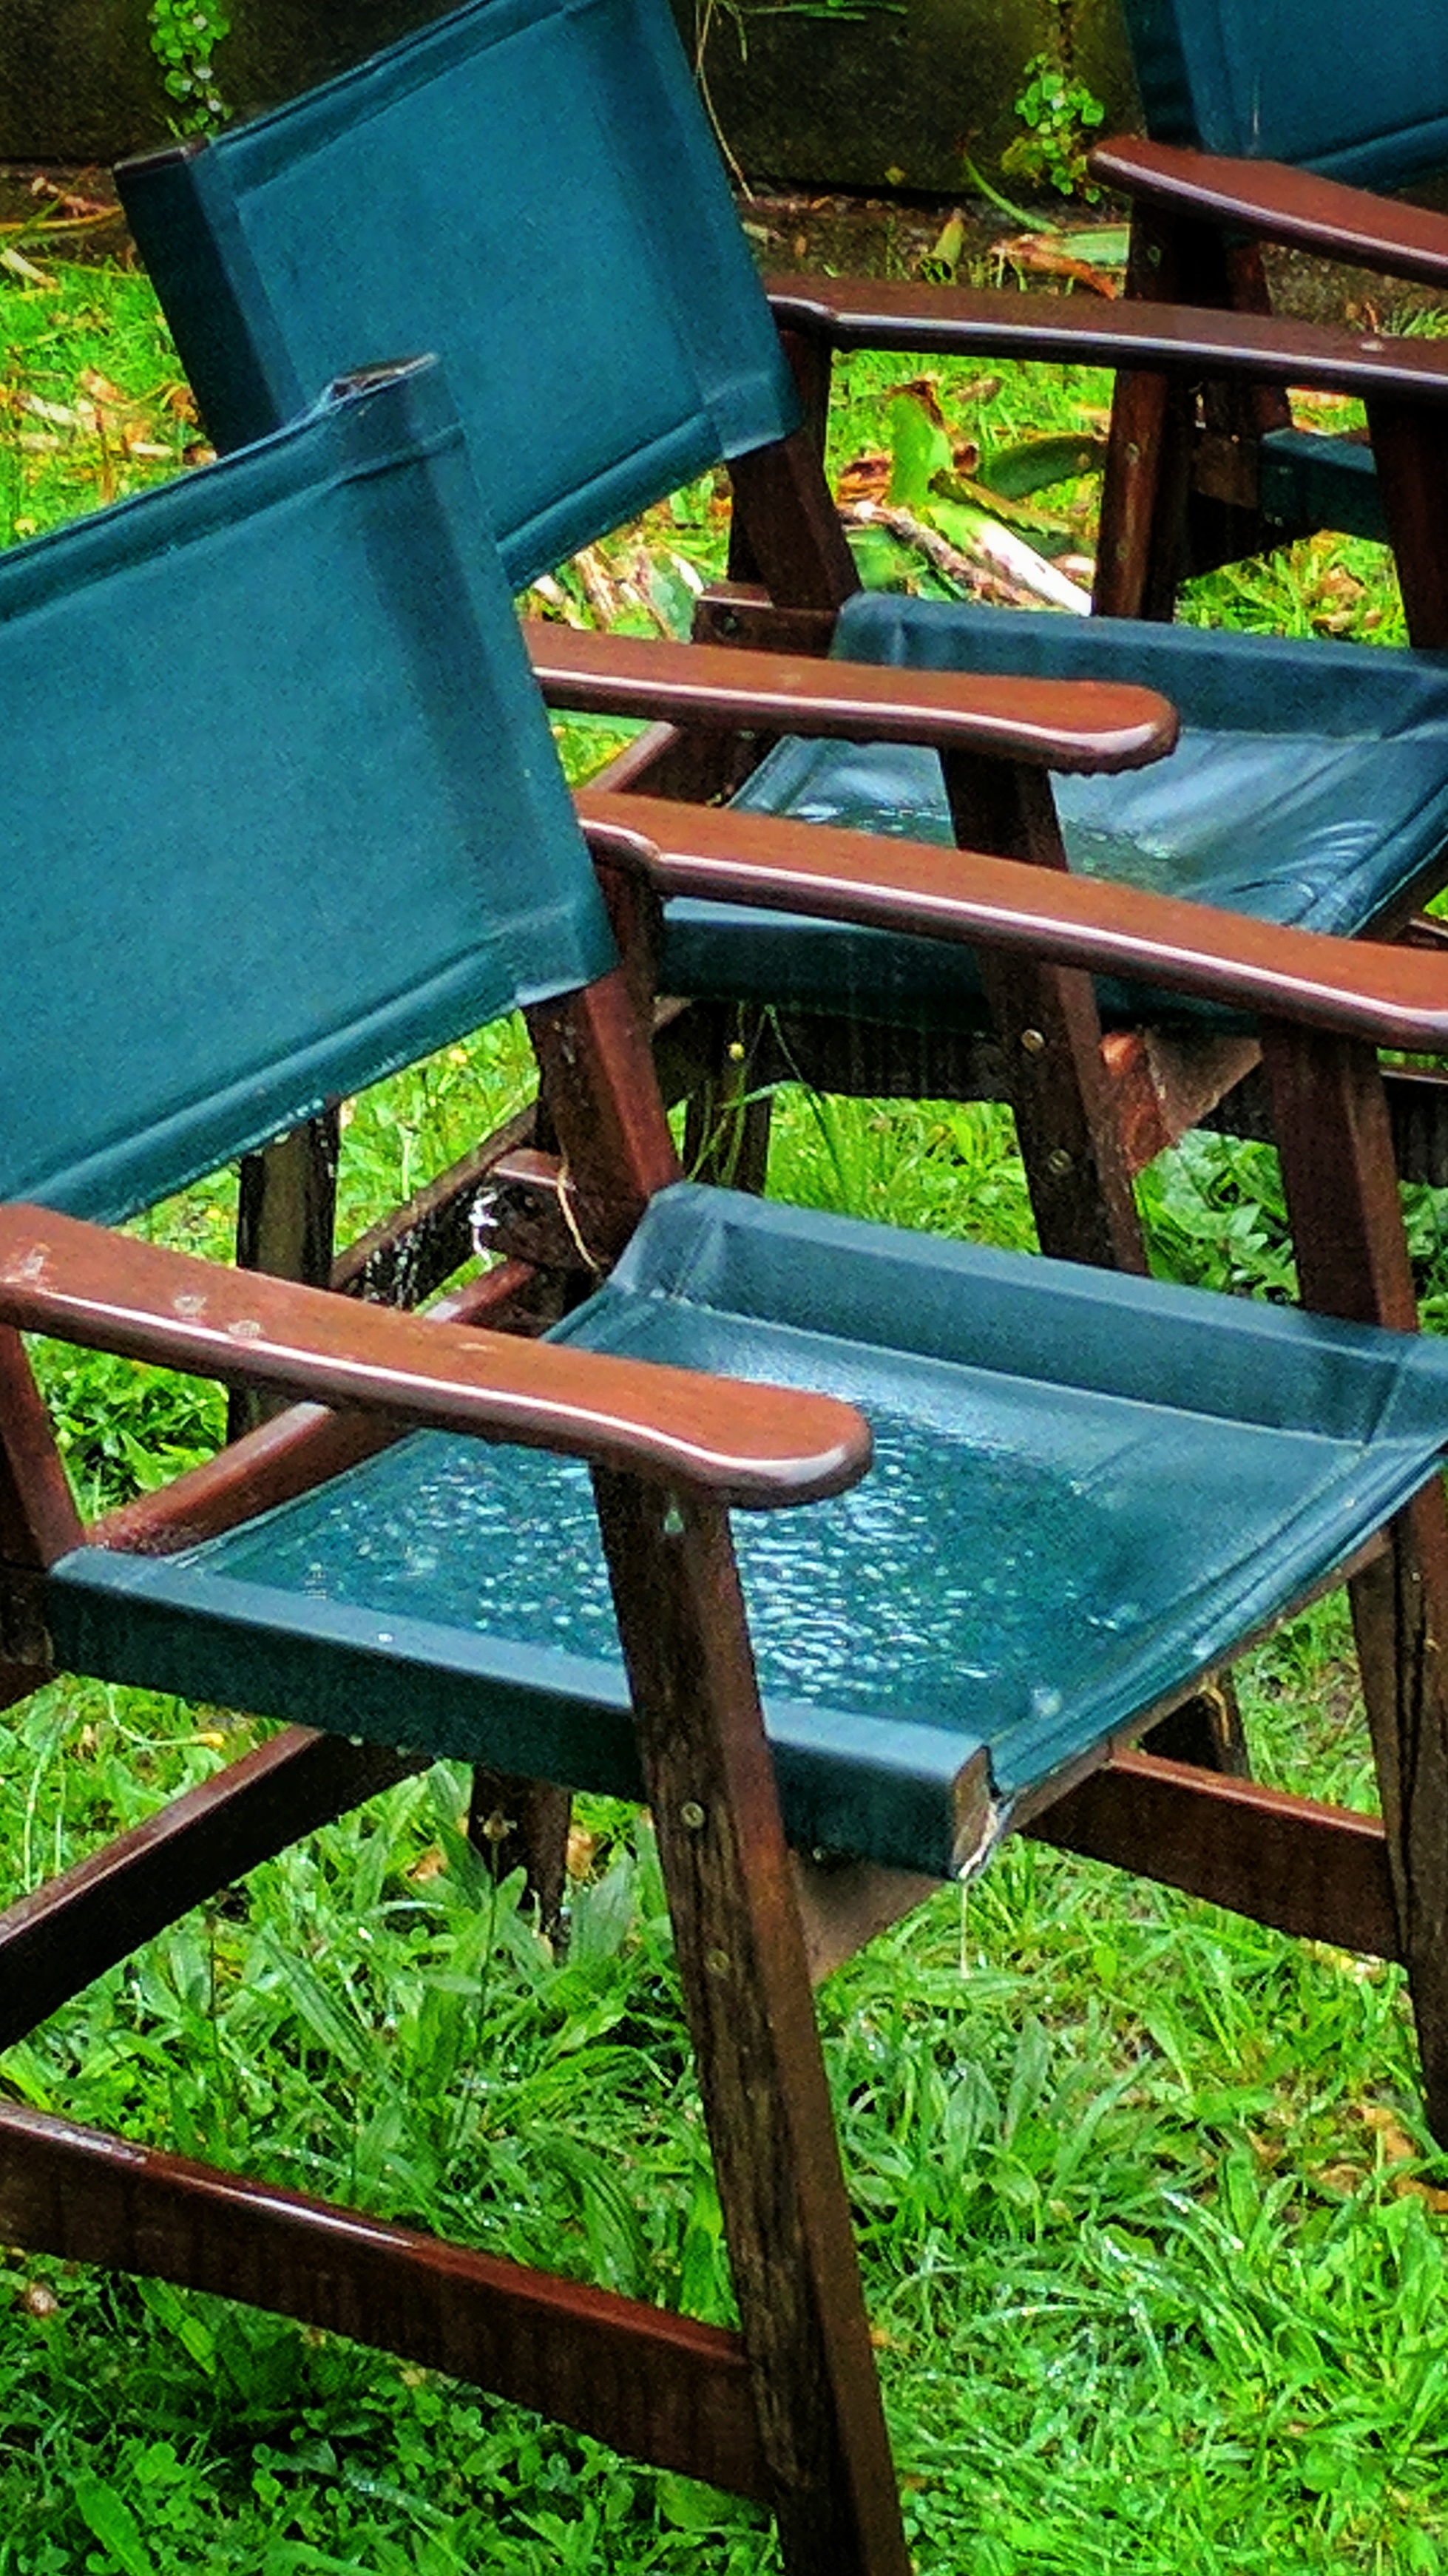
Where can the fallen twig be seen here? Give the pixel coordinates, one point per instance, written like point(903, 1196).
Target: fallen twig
point(1004, 569)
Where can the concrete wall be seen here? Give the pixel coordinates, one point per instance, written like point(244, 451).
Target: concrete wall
point(78, 81)
point(887, 100)
point(894, 99)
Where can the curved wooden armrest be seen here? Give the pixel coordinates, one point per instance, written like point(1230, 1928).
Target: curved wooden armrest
point(1181, 339)
point(1051, 724)
point(755, 1446)
point(1391, 996)
point(1282, 204)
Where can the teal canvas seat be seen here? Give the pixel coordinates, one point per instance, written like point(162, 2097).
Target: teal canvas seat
point(529, 188)
point(1277, 124)
point(1085, 1490)
point(1308, 787)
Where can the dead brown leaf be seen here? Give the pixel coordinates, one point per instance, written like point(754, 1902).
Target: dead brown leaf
point(1346, 2178)
point(102, 391)
point(865, 478)
point(1394, 2144)
point(581, 1848)
point(1037, 252)
point(1408, 2187)
point(925, 391)
point(67, 200)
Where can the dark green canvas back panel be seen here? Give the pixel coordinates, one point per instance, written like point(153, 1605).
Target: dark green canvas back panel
point(280, 806)
point(1359, 94)
point(527, 188)
point(1086, 1489)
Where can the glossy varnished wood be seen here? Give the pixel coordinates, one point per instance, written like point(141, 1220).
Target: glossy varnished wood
point(1156, 526)
point(517, 1823)
point(1141, 540)
point(900, 313)
point(287, 1203)
point(38, 1519)
point(286, 1219)
point(1281, 204)
point(790, 525)
point(1410, 449)
point(594, 1054)
point(60, 1276)
point(1055, 724)
point(410, 1254)
point(1046, 1020)
point(301, 1448)
point(1164, 1082)
point(1183, 482)
point(1352, 1260)
point(1393, 996)
point(742, 613)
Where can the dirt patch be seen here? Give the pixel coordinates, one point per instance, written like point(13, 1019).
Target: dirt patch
point(76, 213)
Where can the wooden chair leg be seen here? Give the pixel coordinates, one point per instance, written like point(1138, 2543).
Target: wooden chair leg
point(1141, 546)
point(1331, 1118)
point(747, 1994)
point(1045, 1017)
point(516, 1822)
point(285, 1224)
point(1181, 492)
point(1399, 1606)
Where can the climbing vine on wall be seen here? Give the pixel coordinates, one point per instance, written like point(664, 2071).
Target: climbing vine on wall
point(1060, 115)
point(184, 37)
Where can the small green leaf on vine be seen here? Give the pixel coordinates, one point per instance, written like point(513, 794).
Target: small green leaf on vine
point(184, 37)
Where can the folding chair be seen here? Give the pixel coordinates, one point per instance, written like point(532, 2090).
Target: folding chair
point(264, 690)
point(1279, 124)
point(529, 188)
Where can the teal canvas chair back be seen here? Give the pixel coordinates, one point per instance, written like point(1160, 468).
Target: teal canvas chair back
point(243, 874)
point(618, 345)
point(1359, 95)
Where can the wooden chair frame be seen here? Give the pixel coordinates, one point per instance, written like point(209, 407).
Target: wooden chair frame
point(1183, 475)
point(775, 615)
point(787, 2411)
point(1089, 1113)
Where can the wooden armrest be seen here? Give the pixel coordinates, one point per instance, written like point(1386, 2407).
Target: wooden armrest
point(1051, 724)
point(1181, 339)
point(1281, 204)
point(1391, 996)
point(755, 1446)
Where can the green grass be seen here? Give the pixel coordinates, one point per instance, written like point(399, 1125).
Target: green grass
point(88, 377)
point(1153, 2242)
